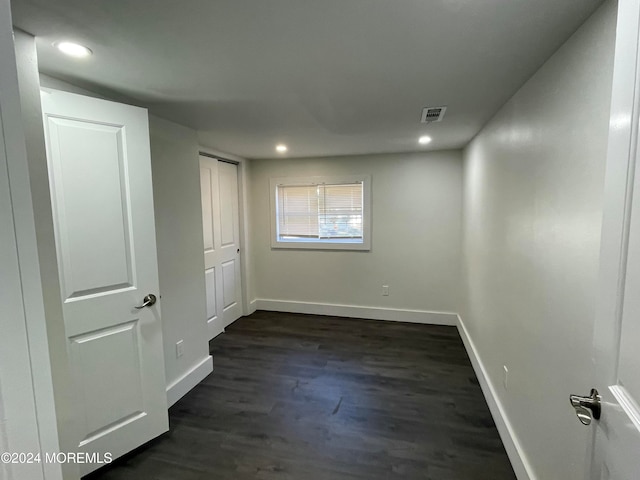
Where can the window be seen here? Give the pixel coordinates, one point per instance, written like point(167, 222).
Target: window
point(321, 213)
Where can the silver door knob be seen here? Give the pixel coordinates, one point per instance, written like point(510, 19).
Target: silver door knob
point(147, 301)
point(587, 408)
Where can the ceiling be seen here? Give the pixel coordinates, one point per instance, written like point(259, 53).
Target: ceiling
point(326, 77)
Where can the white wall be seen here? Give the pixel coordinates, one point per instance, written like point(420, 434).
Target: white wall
point(533, 189)
point(416, 223)
point(176, 186)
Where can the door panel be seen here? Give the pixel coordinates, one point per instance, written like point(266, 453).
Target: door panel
point(617, 442)
point(212, 304)
point(629, 356)
point(229, 284)
point(210, 211)
point(616, 436)
point(211, 232)
point(99, 258)
point(100, 176)
point(228, 190)
point(207, 207)
point(230, 238)
point(92, 355)
point(221, 230)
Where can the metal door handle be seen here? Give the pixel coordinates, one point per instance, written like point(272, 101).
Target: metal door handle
point(148, 300)
point(587, 408)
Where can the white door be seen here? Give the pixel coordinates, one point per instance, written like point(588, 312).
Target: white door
point(100, 176)
point(221, 227)
point(615, 443)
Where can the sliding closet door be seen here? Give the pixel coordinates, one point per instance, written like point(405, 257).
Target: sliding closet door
point(221, 228)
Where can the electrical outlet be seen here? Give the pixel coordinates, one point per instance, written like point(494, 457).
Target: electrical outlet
point(505, 376)
point(179, 348)
point(385, 290)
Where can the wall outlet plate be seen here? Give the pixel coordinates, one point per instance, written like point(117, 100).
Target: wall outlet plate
point(179, 348)
point(385, 290)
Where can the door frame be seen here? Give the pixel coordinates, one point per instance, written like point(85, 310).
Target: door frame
point(18, 413)
point(17, 396)
point(40, 299)
point(247, 307)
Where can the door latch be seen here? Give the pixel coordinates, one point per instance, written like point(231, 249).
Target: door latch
point(587, 408)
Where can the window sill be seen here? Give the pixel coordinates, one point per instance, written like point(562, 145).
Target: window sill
point(342, 244)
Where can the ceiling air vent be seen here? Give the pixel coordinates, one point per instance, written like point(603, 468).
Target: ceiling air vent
point(432, 114)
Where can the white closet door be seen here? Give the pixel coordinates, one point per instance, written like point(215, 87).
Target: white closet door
point(221, 229)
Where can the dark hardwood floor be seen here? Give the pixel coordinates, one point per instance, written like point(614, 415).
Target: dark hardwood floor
point(309, 397)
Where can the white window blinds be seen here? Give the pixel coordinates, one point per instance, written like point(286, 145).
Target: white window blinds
point(323, 211)
point(298, 211)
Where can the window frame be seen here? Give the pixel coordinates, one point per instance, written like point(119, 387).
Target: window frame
point(327, 244)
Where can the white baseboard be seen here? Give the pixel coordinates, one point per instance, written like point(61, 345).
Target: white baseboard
point(519, 461)
point(193, 377)
point(214, 328)
point(252, 306)
point(373, 313)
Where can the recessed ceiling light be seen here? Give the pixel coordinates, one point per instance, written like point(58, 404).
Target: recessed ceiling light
point(424, 140)
point(281, 148)
point(73, 49)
